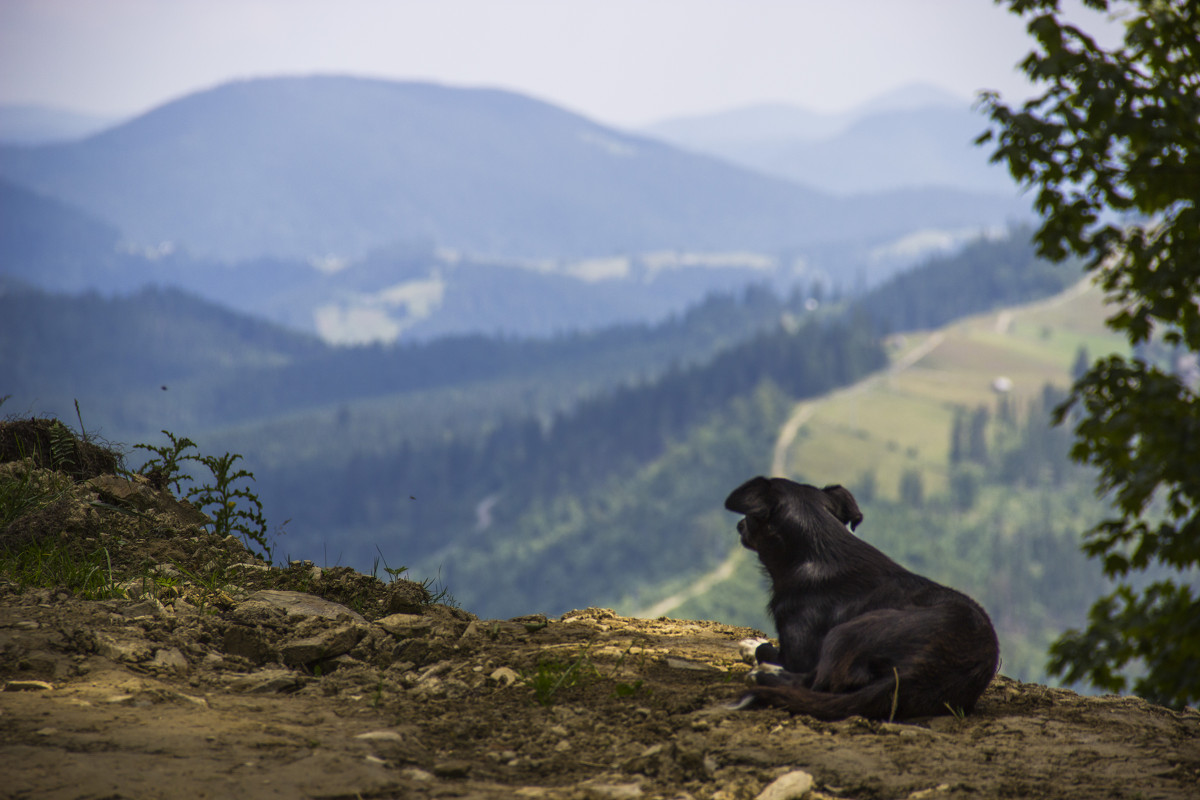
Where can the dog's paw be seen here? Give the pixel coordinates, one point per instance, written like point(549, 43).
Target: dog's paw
point(749, 647)
point(764, 675)
point(777, 676)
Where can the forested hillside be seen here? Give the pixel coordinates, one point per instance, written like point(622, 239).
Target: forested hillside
point(531, 474)
point(985, 274)
point(493, 512)
point(223, 369)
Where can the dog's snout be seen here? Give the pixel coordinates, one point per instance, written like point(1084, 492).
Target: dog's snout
point(743, 529)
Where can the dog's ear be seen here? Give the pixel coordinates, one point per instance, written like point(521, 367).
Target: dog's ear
point(752, 498)
point(843, 506)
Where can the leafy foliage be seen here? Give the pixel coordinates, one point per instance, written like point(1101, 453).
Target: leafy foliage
point(1112, 148)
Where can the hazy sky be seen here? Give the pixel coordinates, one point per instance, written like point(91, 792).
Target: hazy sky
point(623, 62)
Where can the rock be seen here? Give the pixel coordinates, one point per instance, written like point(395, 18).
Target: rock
point(246, 642)
point(380, 736)
point(791, 786)
point(405, 624)
point(407, 597)
point(504, 676)
point(414, 774)
point(169, 658)
point(137, 494)
point(27, 686)
point(150, 607)
point(683, 663)
point(452, 768)
point(268, 681)
point(326, 644)
point(532, 622)
point(297, 604)
point(612, 791)
point(115, 649)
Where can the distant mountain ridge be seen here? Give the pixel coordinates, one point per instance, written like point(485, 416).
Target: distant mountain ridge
point(915, 136)
point(30, 124)
point(775, 122)
point(315, 166)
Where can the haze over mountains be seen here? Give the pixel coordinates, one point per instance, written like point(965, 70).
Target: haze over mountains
point(916, 136)
point(37, 124)
point(369, 210)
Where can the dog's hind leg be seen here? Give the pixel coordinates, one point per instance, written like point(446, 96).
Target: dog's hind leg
point(865, 649)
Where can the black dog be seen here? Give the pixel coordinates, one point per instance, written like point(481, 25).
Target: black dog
point(858, 633)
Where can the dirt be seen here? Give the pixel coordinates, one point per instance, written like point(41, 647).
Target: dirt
point(213, 674)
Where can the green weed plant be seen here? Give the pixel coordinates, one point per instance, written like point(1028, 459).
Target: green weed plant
point(233, 507)
point(49, 563)
point(554, 676)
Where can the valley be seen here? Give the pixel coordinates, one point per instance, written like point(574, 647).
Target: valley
point(533, 411)
point(601, 453)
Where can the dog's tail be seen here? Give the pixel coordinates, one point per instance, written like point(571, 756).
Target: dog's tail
point(887, 698)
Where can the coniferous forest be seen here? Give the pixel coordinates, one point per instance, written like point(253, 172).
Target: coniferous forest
point(584, 469)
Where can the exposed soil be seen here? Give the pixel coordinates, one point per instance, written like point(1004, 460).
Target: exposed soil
point(221, 677)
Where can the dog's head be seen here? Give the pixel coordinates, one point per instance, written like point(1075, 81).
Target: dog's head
point(776, 509)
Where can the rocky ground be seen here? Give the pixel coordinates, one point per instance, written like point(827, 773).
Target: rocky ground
point(202, 672)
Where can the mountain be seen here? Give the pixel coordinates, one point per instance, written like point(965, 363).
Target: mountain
point(319, 166)
point(50, 243)
point(768, 124)
point(915, 136)
point(892, 150)
point(36, 124)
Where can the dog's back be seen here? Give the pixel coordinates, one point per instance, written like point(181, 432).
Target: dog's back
point(858, 633)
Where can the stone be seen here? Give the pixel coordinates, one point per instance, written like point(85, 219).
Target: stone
point(27, 686)
point(169, 658)
point(299, 604)
point(149, 607)
point(326, 644)
point(405, 624)
point(790, 786)
point(268, 681)
point(136, 493)
point(385, 736)
point(115, 649)
point(407, 597)
point(246, 642)
point(695, 666)
point(612, 791)
point(415, 774)
point(505, 676)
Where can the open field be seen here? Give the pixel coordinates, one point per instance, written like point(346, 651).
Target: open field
point(901, 420)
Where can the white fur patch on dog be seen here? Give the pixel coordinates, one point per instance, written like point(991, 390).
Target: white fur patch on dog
point(763, 669)
point(747, 647)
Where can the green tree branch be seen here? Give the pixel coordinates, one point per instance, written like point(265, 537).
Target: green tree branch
point(1112, 150)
